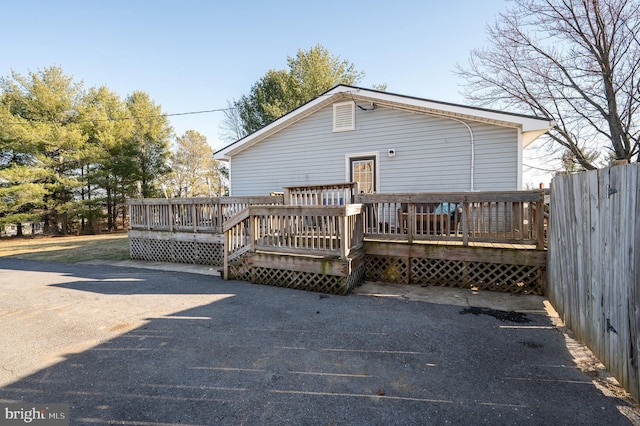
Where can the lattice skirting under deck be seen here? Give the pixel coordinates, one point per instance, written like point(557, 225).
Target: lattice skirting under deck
point(332, 284)
point(456, 273)
point(197, 252)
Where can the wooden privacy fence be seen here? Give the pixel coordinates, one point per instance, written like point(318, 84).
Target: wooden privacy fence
point(594, 264)
point(516, 217)
point(323, 231)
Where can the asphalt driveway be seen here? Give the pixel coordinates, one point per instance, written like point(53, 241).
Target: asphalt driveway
point(146, 347)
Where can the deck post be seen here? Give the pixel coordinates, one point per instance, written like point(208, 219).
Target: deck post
point(147, 216)
point(411, 221)
point(466, 217)
point(225, 260)
point(219, 214)
point(253, 229)
point(342, 236)
point(170, 215)
point(194, 217)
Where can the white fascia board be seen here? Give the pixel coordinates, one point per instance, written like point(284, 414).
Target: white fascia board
point(532, 135)
point(526, 123)
point(531, 127)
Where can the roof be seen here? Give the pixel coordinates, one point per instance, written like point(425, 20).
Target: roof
point(532, 127)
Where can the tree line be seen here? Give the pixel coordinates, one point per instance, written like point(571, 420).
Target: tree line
point(70, 157)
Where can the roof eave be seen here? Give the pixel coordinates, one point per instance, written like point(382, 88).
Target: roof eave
point(297, 114)
point(531, 127)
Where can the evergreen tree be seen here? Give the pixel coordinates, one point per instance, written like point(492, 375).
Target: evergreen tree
point(148, 144)
point(42, 144)
point(310, 74)
point(109, 168)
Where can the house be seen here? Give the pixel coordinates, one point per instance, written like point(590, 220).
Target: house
point(386, 142)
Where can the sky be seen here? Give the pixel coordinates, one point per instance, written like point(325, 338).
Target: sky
point(198, 55)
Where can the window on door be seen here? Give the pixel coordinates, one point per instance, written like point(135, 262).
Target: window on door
point(363, 171)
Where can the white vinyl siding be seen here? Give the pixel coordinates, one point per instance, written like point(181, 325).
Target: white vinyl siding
point(432, 154)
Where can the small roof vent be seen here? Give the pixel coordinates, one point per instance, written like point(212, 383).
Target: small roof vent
point(344, 116)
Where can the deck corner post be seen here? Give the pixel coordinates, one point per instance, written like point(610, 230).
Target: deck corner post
point(225, 260)
point(342, 235)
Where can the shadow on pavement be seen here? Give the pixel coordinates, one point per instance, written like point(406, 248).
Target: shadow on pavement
point(271, 355)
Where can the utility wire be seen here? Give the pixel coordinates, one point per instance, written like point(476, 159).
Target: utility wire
point(90, 120)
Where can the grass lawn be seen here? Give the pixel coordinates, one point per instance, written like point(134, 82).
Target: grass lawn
point(68, 249)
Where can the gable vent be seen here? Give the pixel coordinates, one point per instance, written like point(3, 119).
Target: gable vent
point(344, 117)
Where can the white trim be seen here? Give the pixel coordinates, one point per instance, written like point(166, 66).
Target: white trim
point(531, 127)
point(527, 123)
point(347, 165)
point(230, 180)
point(519, 169)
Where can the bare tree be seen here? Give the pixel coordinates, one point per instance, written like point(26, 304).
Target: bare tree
point(577, 61)
point(231, 127)
point(194, 172)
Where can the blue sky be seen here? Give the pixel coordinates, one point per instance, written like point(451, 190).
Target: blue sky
point(196, 55)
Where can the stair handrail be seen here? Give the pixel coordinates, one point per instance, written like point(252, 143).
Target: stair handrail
point(235, 236)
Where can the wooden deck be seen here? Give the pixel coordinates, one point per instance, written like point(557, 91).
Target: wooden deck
point(331, 234)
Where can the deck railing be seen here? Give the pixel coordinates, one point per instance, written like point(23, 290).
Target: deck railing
point(491, 217)
point(324, 231)
point(488, 217)
point(198, 215)
point(321, 195)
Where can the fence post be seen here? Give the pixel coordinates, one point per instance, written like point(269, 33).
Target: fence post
point(539, 225)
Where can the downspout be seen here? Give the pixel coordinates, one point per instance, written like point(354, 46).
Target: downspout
point(473, 145)
point(473, 150)
point(472, 140)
